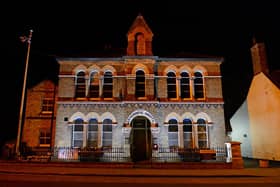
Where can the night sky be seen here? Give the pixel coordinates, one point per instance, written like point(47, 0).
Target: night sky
point(214, 28)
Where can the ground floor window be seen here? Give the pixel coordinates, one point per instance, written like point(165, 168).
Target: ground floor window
point(173, 133)
point(189, 135)
point(91, 133)
point(202, 135)
point(45, 138)
point(107, 133)
point(78, 133)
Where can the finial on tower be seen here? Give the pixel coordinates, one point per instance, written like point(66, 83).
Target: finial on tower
point(254, 40)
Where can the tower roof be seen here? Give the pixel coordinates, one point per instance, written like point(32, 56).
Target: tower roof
point(139, 22)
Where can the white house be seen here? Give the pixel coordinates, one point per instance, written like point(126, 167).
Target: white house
point(256, 123)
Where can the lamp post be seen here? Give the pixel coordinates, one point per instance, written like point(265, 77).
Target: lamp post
point(28, 40)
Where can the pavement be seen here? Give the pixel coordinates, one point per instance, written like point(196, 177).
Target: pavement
point(90, 170)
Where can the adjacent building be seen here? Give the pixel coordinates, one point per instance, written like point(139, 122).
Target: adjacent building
point(256, 123)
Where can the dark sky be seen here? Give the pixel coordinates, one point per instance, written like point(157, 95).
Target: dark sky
point(219, 28)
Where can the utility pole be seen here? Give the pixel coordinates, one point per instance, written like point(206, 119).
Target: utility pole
point(20, 123)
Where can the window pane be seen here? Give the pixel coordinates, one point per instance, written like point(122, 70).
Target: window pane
point(78, 127)
point(187, 128)
point(202, 144)
point(78, 136)
point(173, 128)
point(107, 128)
point(47, 105)
point(173, 139)
point(93, 128)
point(78, 143)
point(45, 137)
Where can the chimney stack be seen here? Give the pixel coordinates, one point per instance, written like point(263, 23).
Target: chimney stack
point(259, 58)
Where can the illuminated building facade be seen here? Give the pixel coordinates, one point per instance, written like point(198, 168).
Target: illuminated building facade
point(139, 101)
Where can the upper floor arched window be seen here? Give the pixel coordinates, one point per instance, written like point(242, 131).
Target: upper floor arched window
point(80, 84)
point(94, 85)
point(140, 84)
point(198, 85)
point(171, 85)
point(108, 85)
point(185, 85)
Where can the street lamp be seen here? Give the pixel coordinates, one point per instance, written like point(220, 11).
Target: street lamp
point(28, 40)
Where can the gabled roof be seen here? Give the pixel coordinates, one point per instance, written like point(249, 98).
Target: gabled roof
point(139, 22)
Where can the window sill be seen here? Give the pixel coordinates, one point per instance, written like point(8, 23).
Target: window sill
point(81, 99)
point(108, 99)
point(141, 98)
point(44, 145)
point(46, 112)
point(94, 99)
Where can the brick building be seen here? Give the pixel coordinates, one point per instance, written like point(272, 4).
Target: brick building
point(40, 117)
point(139, 101)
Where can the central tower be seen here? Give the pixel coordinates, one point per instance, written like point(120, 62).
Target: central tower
point(139, 38)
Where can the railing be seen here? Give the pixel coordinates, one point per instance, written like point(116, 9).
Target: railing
point(176, 154)
point(121, 154)
point(107, 154)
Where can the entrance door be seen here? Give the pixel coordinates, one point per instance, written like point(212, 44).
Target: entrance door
point(140, 138)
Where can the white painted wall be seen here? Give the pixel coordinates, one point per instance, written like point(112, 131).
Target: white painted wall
point(264, 113)
point(259, 118)
point(241, 130)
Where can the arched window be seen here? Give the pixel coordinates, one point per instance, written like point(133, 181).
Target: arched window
point(78, 133)
point(171, 85)
point(94, 85)
point(173, 133)
point(108, 85)
point(107, 133)
point(92, 139)
point(198, 85)
point(80, 84)
point(187, 130)
point(185, 85)
point(202, 135)
point(140, 84)
point(140, 44)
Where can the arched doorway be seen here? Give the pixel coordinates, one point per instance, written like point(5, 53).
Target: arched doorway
point(140, 139)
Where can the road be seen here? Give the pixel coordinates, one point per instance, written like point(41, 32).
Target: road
point(86, 174)
point(61, 180)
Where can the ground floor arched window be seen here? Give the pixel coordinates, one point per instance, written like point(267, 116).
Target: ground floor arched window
point(92, 134)
point(188, 133)
point(173, 133)
point(78, 133)
point(107, 133)
point(202, 135)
